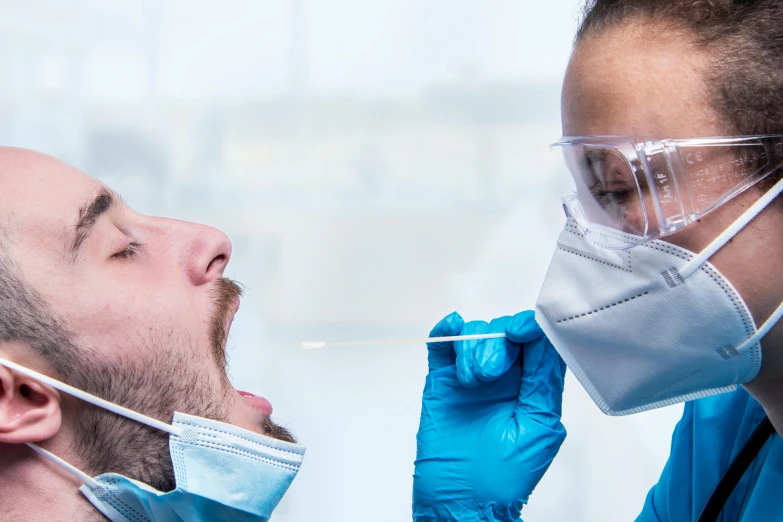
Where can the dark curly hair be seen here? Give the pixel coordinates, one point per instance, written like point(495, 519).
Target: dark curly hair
point(744, 39)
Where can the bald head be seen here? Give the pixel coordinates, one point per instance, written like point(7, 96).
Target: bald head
point(24, 314)
point(41, 197)
point(34, 211)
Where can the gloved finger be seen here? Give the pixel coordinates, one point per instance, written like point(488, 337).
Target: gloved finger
point(524, 328)
point(543, 374)
point(466, 353)
point(441, 354)
point(493, 357)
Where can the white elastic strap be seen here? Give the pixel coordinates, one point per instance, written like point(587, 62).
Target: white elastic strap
point(85, 478)
point(734, 229)
point(92, 399)
point(762, 331)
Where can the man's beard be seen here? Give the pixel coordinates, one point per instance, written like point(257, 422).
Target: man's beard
point(163, 380)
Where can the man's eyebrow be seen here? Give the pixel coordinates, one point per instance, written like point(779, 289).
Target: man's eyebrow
point(89, 213)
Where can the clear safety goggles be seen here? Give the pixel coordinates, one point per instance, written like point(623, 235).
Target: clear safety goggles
point(649, 188)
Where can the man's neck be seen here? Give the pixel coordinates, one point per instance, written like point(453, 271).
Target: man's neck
point(33, 489)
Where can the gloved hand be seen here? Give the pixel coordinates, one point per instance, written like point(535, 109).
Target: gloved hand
point(490, 421)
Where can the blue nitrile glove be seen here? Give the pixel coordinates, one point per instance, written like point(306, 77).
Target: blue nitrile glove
point(490, 421)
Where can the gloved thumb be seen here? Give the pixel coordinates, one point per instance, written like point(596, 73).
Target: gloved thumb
point(524, 328)
point(441, 354)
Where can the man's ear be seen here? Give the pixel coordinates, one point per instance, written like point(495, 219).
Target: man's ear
point(29, 411)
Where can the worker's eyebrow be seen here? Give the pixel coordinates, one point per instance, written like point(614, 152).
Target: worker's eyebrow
point(89, 213)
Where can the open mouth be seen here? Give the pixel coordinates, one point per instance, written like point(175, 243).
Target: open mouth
point(258, 403)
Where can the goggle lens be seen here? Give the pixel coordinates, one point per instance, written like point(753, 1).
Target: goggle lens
point(608, 194)
point(617, 208)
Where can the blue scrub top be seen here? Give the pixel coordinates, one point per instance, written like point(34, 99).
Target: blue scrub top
point(710, 434)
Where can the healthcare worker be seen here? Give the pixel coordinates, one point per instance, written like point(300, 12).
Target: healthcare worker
point(667, 281)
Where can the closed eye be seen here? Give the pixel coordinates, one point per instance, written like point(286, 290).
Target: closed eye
point(619, 196)
point(130, 251)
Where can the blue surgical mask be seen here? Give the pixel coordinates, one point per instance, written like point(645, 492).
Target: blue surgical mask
point(222, 472)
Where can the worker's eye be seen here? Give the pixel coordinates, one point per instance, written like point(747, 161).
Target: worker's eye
point(130, 251)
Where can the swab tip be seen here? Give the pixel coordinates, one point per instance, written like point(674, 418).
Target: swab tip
point(313, 345)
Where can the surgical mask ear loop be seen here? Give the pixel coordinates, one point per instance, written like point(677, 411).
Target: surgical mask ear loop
point(101, 403)
point(73, 470)
point(92, 399)
point(734, 229)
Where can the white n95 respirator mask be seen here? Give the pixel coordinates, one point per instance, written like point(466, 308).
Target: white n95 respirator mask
point(651, 325)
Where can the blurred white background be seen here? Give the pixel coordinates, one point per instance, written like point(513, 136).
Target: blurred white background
point(377, 164)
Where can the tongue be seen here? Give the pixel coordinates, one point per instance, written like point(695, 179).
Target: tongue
point(258, 403)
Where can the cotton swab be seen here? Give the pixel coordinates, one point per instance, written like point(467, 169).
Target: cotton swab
point(314, 345)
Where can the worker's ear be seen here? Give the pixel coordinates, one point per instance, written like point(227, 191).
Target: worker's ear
point(29, 411)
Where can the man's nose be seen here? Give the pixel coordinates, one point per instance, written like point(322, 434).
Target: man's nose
point(204, 251)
